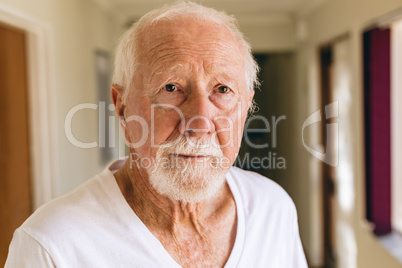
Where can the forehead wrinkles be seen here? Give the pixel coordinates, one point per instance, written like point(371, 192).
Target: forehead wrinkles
point(172, 40)
point(207, 58)
point(210, 50)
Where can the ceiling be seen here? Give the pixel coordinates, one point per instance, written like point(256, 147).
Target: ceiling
point(246, 11)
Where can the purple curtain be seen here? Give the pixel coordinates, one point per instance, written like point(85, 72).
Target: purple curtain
point(377, 82)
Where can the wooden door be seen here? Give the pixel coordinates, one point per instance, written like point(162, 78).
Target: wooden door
point(15, 193)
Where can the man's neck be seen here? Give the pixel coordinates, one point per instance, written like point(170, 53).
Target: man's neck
point(155, 209)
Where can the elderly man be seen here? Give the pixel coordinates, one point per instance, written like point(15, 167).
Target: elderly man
point(182, 88)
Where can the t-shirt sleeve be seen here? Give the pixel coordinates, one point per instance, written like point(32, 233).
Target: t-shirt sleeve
point(25, 251)
point(299, 258)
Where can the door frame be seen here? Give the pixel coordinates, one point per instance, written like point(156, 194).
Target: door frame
point(40, 101)
point(329, 231)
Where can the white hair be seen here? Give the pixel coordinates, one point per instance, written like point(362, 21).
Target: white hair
point(126, 52)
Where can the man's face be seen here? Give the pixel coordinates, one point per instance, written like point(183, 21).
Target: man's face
point(190, 81)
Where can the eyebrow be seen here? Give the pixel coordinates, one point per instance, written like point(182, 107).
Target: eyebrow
point(153, 90)
point(222, 69)
point(221, 73)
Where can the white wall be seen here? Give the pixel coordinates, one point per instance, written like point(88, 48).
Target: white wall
point(77, 28)
point(269, 37)
point(331, 20)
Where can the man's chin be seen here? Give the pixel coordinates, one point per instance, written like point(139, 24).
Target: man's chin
point(195, 195)
point(185, 187)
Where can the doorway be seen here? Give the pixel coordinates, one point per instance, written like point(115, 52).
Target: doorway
point(15, 188)
point(338, 176)
point(327, 97)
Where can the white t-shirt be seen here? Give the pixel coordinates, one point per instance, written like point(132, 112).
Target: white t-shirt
point(94, 226)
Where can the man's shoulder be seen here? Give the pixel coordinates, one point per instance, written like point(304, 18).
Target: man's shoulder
point(75, 207)
point(258, 190)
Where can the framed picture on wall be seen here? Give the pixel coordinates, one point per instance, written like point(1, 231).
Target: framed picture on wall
point(106, 118)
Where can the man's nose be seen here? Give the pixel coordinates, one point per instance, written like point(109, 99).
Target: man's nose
point(198, 113)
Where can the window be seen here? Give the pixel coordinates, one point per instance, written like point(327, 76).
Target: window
point(383, 127)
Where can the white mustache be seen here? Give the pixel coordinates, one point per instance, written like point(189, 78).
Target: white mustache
point(186, 146)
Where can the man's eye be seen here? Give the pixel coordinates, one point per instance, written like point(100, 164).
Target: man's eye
point(170, 88)
point(223, 89)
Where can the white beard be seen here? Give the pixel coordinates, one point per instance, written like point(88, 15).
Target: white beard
point(188, 180)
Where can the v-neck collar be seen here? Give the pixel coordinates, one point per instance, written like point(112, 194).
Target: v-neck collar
point(131, 219)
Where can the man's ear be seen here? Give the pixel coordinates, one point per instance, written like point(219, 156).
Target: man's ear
point(251, 96)
point(117, 98)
